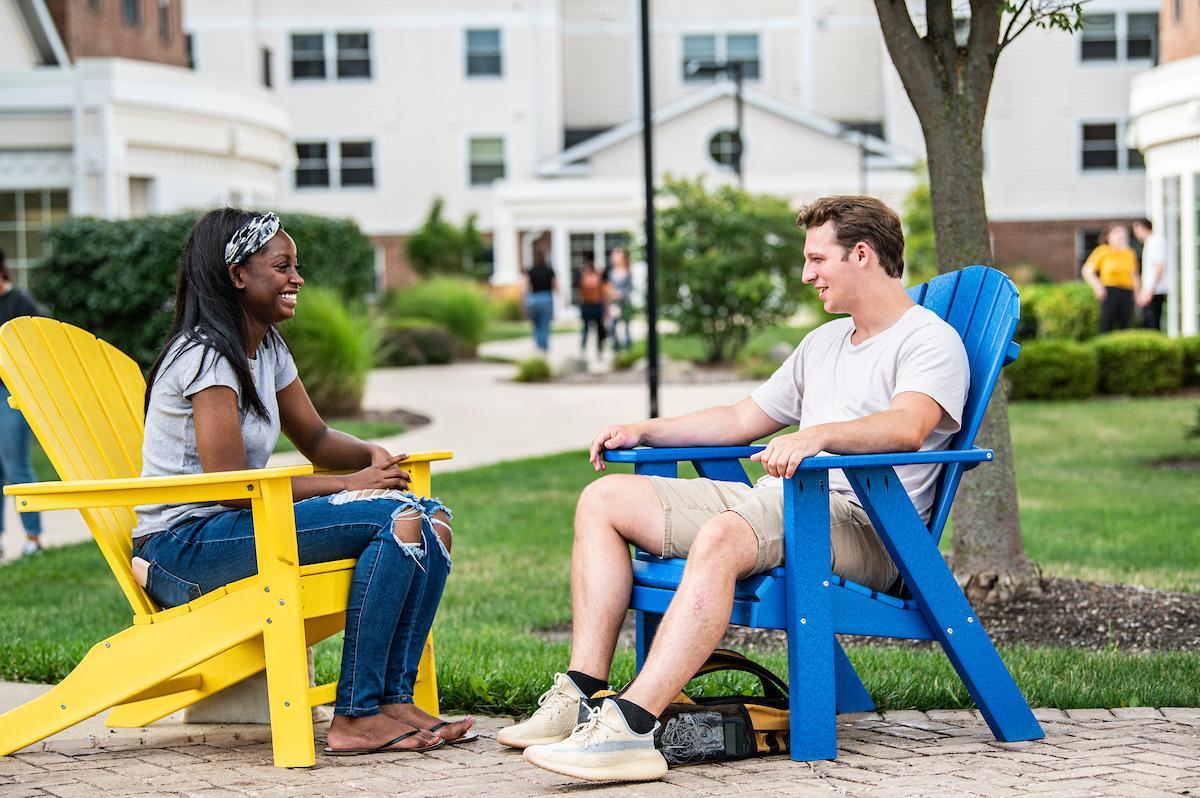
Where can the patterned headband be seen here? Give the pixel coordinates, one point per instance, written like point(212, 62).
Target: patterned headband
point(250, 238)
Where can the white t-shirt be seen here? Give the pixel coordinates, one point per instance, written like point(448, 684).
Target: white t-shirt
point(829, 379)
point(1154, 252)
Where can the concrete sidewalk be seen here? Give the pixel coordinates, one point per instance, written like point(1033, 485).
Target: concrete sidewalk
point(1125, 752)
point(478, 413)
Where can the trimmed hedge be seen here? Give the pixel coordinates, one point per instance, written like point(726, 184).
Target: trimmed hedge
point(461, 306)
point(1069, 311)
point(416, 342)
point(1054, 370)
point(1138, 362)
point(1191, 359)
point(117, 279)
point(334, 349)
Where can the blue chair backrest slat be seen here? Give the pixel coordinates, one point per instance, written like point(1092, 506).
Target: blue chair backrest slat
point(981, 304)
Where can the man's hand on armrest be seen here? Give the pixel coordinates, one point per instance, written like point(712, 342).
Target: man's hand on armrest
point(714, 426)
point(903, 427)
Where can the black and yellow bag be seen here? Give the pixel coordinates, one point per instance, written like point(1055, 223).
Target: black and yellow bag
point(715, 729)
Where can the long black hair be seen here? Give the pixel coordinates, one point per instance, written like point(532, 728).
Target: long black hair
point(208, 308)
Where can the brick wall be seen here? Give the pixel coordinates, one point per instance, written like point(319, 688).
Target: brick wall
point(1052, 246)
point(1178, 38)
point(397, 270)
point(97, 29)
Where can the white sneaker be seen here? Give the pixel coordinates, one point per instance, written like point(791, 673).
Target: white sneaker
point(31, 547)
point(556, 715)
point(602, 749)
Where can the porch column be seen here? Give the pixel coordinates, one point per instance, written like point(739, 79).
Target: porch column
point(1188, 199)
point(506, 266)
point(560, 259)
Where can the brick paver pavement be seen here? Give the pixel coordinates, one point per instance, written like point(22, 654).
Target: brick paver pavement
point(1122, 752)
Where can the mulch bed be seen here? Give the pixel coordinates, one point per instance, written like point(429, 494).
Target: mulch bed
point(1070, 612)
point(409, 419)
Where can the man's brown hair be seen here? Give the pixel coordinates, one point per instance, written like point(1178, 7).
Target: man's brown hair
point(859, 218)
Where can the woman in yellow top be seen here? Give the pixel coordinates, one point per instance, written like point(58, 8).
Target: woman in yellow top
point(1111, 271)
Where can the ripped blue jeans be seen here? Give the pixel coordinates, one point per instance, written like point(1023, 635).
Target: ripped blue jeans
point(394, 593)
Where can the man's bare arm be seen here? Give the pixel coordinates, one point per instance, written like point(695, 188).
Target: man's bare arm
point(903, 427)
point(728, 425)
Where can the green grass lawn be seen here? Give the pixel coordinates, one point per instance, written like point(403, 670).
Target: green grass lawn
point(1090, 506)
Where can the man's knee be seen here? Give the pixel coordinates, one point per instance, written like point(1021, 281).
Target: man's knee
point(725, 544)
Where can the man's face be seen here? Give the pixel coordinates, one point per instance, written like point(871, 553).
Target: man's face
point(1140, 232)
point(830, 268)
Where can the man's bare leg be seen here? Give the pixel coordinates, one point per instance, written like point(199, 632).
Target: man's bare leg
point(612, 512)
point(725, 549)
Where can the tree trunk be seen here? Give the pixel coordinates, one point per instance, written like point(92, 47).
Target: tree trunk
point(949, 86)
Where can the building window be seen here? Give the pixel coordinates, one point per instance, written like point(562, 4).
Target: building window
point(697, 48)
point(739, 47)
point(353, 55)
point(487, 161)
point(1119, 37)
point(266, 67)
point(1141, 43)
point(131, 12)
point(308, 56)
point(164, 20)
point(312, 164)
point(189, 45)
point(743, 48)
point(357, 164)
point(484, 55)
point(24, 218)
point(1086, 239)
point(723, 148)
point(1101, 148)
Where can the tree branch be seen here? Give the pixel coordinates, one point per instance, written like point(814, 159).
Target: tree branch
point(910, 53)
point(1013, 21)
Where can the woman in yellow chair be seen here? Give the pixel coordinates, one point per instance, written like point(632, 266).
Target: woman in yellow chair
point(223, 387)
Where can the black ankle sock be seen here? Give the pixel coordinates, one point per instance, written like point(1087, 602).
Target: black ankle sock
point(639, 720)
point(588, 685)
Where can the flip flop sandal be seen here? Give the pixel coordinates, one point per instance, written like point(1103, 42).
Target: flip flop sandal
point(386, 748)
point(469, 736)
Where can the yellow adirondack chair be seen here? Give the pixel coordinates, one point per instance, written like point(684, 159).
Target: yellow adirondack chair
point(84, 400)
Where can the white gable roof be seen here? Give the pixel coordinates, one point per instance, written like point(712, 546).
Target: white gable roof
point(566, 163)
point(42, 32)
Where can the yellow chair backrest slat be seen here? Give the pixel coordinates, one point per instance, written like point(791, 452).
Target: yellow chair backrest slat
point(83, 399)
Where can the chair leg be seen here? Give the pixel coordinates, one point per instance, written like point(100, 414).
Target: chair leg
point(944, 606)
point(130, 662)
point(852, 696)
point(811, 661)
point(425, 691)
point(645, 627)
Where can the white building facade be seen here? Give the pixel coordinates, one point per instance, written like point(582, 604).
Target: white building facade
point(118, 138)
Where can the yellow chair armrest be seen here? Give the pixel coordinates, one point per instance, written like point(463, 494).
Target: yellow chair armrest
point(415, 457)
point(207, 487)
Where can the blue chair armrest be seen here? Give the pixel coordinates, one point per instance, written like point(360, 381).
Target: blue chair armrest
point(701, 453)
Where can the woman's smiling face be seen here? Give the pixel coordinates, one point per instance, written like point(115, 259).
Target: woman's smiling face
point(270, 280)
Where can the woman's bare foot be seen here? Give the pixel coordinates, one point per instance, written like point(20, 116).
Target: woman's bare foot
point(415, 716)
point(374, 731)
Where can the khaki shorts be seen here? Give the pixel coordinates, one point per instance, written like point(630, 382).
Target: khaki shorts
point(858, 554)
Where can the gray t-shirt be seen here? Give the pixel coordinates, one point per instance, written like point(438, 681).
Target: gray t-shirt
point(830, 379)
point(169, 445)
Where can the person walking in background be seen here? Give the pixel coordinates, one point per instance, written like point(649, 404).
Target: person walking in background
point(1155, 285)
point(621, 280)
point(1111, 271)
point(15, 435)
point(540, 288)
point(593, 293)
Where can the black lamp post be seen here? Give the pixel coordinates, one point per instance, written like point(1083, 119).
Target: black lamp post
point(734, 70)
point(651, 237)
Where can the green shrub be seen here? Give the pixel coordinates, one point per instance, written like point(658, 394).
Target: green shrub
point(1068, 311)
point(334, 349)
point(1138, 363)
point(416, 342)
point(1054, 370)
point(510, 307)
point(461, 306)
point(534, 369)
point(116, 279)
point(1031, 295)
point(439, 248)
point(627, 358)
point(1191, 359)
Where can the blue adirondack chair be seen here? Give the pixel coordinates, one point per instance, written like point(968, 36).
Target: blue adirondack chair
point(811, 603)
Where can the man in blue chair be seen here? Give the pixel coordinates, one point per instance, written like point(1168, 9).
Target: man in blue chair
point(891, 376)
